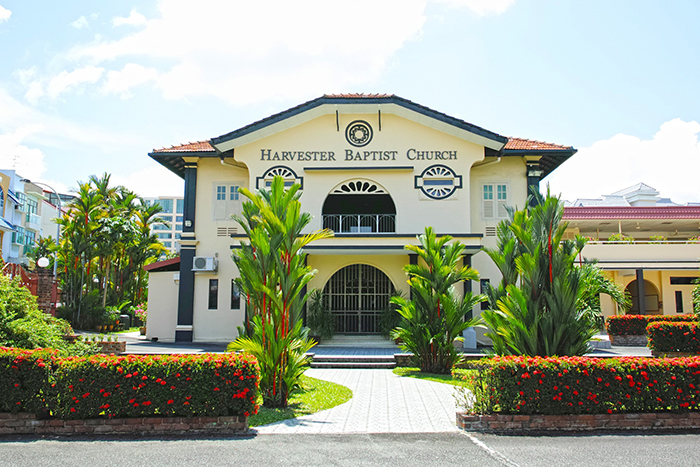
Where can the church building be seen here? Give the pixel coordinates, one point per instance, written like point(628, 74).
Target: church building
point(376, 169)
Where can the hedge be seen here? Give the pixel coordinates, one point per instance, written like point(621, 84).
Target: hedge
point(575, 385)
point(636, 325)
point(665, 336)
point(128, 386)
point(24, 376)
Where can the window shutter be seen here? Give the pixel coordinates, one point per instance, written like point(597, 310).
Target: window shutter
point(488, 209)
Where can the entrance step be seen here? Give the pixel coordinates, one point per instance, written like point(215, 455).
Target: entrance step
point(359, 341)
point(354, 361)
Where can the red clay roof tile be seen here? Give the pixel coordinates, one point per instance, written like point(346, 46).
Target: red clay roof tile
point(529, 144)
point(198, 146)
point(631, 212)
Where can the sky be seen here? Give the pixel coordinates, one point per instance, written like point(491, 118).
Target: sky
point(91, 87)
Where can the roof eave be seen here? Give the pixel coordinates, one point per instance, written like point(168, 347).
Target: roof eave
point(498, 141)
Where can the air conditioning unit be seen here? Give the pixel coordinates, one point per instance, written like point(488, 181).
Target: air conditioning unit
point(205, 263)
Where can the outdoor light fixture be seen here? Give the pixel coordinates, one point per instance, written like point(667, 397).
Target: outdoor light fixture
point(42, 262)
point(534, 172)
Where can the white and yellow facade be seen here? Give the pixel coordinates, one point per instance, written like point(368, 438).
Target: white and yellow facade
point(376, 169)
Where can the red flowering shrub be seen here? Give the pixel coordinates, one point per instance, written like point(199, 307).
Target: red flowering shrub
point(24, 376)
point(127, 386)
point(665, 336)
point(165, 385)
point(636, 325)
point(574, 385)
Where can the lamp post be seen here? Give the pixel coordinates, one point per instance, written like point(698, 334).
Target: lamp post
point(58, 226)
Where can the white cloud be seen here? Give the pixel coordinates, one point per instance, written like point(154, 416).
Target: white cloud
point(79, 23)
point(132, 75)
point(274, 48)
point(152, 181)
point(61, 83)
point(134, 19)
point(669, 162)
point(480, 7)
point(28, 162)
point(4, 14)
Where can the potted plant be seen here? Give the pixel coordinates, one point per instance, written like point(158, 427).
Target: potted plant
point(142, 314)
point(318, 317)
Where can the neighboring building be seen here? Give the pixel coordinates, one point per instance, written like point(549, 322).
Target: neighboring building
point(173, 209)
point(376, 169)
point(647, 244)
point(26, 216)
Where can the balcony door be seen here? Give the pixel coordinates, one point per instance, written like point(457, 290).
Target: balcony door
point(360, 207)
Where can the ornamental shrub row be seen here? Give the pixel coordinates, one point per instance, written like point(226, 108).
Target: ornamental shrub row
point(636, 325)
point(575, 385)
point(665, 336)
point(128, 386)
point(24, 376)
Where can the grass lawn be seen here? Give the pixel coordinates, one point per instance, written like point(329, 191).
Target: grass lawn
point(315, 395)
point(437, 378)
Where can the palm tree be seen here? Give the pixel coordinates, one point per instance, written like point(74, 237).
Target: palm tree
point(435, 316)
point(273, 274)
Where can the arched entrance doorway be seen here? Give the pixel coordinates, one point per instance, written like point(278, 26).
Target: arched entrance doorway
point(651, 298)
point(356, 295)
point(359, 206)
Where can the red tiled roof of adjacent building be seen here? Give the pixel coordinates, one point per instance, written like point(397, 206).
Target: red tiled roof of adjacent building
point(631, 212)
point(198, 146)
point(529, 144)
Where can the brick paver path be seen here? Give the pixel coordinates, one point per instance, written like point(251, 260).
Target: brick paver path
point(382, 403)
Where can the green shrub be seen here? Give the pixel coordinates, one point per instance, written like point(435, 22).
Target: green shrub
point(636, 325)
point(620, 238)
point(143, 386)
point(573, 385)
point(390, 318)
point(318, 316)
point(666, 336)
point(24, 376)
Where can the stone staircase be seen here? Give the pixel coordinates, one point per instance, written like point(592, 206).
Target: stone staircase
point(386, 362)
point(355, 351)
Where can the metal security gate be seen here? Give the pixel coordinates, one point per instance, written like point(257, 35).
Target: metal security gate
point(357, 294)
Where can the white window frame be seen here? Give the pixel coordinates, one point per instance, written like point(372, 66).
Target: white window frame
point(497, 210)
point(222, 204)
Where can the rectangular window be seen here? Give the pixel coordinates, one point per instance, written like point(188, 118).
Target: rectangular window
point(180, 206)
point(213, 294)
point(178, 236)
point(683, 280)
point(484, 283)
point(178, 227)
point(167, 218)
point(221, 193)
point(235, 296)
point(167, 244)
point(161, 227)
point(494, 208)
point(165, 235)
point(679, 301)
point(32, 206)
point(167, 205)
point(180, 219)
point(226, 200)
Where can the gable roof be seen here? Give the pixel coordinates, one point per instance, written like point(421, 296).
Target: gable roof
point(552, 155)
point(631, 212)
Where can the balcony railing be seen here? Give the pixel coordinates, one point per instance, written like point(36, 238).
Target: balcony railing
point(34, 221)
point(360, 223)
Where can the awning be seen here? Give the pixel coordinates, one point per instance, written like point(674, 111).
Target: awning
point(6, 226)
point(13, 197)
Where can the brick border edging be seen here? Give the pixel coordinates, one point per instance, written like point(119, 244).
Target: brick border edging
point(27, 424)
point(582, 422)
point(629, 340)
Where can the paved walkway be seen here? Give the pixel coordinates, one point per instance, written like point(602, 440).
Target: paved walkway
point(382, 403)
